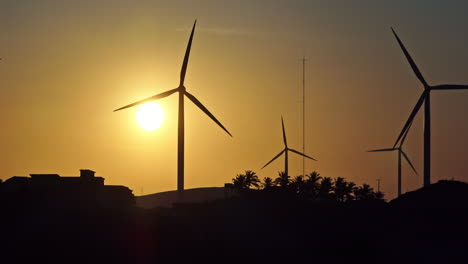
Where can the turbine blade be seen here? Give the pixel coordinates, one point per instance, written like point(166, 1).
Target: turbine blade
point(378, 150)
point(203, 108)
point(279, 154)
point(284, 133)
point(410, 60)
point(406, 133)
point(186, 57)
point(409, 162)
point(302, 154)
point(449, 87)
point(411, 117)
point(152, 98)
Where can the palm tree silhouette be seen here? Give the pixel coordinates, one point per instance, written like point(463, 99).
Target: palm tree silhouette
point(326, 188)
point(298, 184)
point(240, 182)
point(282, 180)
point(364, 192)
point(311, 186)
point(251, 179)
point(312, 183)
point(340, 189)
point(268, 183)
point(379, 195)
point(350, 187)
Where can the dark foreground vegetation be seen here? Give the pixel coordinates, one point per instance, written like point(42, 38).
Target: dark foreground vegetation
point(310, 187)
point(425, 226)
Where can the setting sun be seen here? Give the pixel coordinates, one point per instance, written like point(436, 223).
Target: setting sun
point(150, 116)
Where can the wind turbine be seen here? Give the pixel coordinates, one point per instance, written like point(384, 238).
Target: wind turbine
point(424, 98)
point(182, 92)
point(400, 153)
point(285, 151)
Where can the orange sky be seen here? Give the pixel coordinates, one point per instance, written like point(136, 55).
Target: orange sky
point(68, 65)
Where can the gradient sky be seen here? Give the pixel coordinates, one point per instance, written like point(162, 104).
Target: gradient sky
point(68, 64)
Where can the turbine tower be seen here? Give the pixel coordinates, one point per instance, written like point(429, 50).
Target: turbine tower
point(400, 153)
point(424, 98)
point(182, 92)
point(285, 151)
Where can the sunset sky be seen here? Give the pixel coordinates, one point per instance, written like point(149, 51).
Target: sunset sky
point(68, 64)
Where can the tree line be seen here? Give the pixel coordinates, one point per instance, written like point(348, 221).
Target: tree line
point(312, 186)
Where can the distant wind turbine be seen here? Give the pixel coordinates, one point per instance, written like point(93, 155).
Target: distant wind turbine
point(182, 91)
point(424, 98)
point(285, 151)
point(400, 153)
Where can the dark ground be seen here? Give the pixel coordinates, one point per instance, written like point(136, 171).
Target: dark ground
point(426, 226)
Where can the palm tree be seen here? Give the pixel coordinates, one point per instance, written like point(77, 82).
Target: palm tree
point(240, 182)
point(312, 183)
point(326, 187)
point(340, 189)
point(298, 184)
point(364, 192)
point(379, 195)
point(251, 179)
point(350, 187)
point(268, 183)
point(282, 180)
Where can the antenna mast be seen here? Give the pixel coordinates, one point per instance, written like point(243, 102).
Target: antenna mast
point(303, 115)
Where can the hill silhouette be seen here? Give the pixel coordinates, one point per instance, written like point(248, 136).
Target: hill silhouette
point(443, 194)
point(167, 199)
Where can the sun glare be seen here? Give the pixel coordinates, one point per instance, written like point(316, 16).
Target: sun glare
point(150, 116)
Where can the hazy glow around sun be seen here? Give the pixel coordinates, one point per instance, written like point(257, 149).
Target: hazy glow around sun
point(150, 116)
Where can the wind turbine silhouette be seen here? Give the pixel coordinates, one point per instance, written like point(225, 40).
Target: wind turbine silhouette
point(285, 151)
point(182, 92)
point(400, 153)
point(424, 98)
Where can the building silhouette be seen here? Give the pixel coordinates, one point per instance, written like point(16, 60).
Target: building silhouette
point(55, 191)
